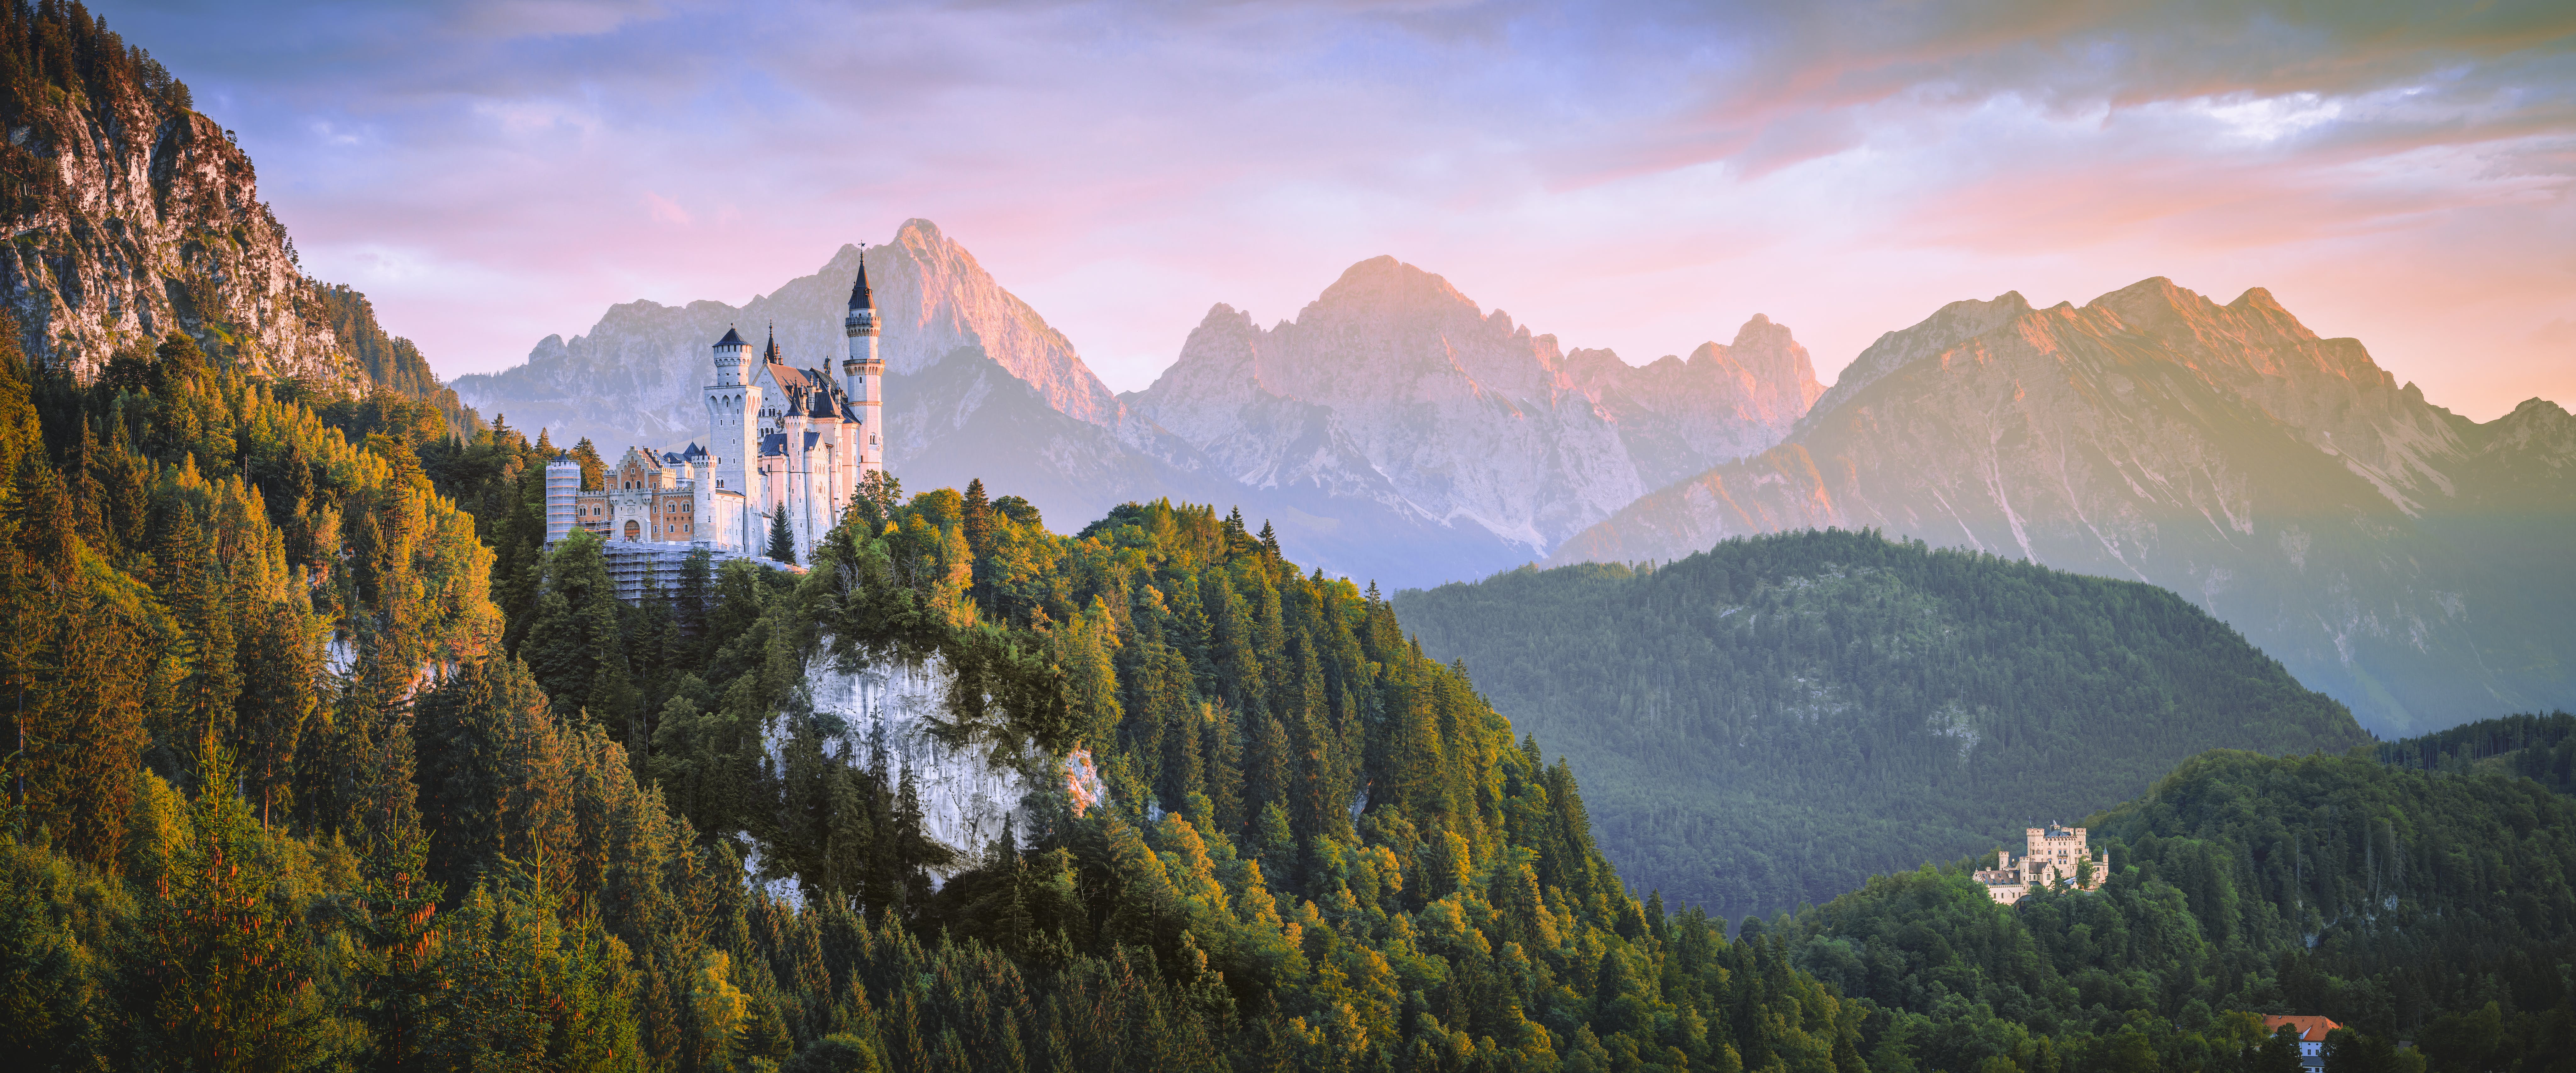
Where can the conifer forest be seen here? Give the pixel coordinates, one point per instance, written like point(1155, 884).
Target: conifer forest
point(320, 756)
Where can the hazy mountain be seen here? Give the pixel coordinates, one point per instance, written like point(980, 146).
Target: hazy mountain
point(2404, 559)
point(1725, 708)
point(1394, 434)
point(639, 373)
point(1724, 402)
point(1395, 388)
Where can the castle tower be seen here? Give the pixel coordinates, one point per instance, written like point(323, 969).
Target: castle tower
point(796, 498)
point(733, 444)
point(863, 372)
point(563, 482)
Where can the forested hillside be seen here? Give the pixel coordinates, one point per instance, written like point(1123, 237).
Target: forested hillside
point(2432, 907)
point(297, 792)
point(2541, 748)
point(1774, 720)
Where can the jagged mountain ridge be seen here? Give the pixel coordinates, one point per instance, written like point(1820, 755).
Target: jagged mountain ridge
point(2389, 552)
point(1394, 386)
point(979, 386)
point(639, 371)
point(133, 216)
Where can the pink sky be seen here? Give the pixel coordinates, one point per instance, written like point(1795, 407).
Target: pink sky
point(1640, 177)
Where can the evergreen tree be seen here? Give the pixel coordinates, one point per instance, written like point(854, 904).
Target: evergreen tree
point(782, 542)
point(575, 645)
point(978, 518)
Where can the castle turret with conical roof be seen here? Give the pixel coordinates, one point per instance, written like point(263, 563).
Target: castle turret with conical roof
point(728, 496)
point(864, 374)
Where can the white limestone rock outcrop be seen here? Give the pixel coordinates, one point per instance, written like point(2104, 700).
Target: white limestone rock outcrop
point(970, 793)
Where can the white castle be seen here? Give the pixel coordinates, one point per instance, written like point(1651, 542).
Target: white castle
point(781, 441)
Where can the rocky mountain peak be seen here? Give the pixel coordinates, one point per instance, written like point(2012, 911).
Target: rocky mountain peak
point(636, 375)
point(1775, 367)
point(1950, 325)
point(2375, 543)
point(1385, 288)
point(1395, 385)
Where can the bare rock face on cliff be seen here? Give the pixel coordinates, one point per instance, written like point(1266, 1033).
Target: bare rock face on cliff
point(132, 216)
point(2399, 557)
point(1394, 388)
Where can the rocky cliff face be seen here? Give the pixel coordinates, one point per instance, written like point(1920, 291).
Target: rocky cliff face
point(971, 793)
point(141, 222)
point(131, 216)
point(1395, 388)
point(2392, 554)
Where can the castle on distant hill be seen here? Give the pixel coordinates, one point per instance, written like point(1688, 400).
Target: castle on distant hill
point(2054, 857)
point(782, 442)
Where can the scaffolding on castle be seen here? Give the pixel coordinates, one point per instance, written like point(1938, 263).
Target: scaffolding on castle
point(632, 564)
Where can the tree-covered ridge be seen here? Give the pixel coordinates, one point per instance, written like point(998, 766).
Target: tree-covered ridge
point(314, 779)
point(1776, 719)
point(2541, 748)
point(2408, 905)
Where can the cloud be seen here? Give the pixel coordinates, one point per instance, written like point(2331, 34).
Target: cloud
point(1638, 175)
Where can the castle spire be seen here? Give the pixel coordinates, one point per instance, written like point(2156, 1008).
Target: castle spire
point(860, 296)
point(771, 355)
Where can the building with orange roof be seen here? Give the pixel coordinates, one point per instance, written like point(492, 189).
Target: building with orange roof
point(2312, 1036)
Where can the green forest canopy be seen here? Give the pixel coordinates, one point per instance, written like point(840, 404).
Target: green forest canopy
point(2429, 906)
point(316, 778)
point(254, 835)
point(1774, 720)
point(324, 760)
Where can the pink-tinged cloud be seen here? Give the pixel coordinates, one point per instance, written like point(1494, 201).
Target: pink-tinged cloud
point(1636, 176)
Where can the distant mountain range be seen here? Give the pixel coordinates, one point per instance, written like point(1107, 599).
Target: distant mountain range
point(2406, 560)
point(2399, 557)
point(1394, 432)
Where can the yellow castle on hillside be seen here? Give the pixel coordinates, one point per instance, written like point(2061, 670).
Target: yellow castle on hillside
point(2056, 857)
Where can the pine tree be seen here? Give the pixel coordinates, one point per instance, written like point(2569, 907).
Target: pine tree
point(1224, 759)
point(575, 646)
point(782, 543)
point(978, 518)
point(692, 602)
point(1269, 540)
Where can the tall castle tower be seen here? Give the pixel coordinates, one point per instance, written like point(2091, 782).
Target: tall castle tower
point(733, 438)
point(862, 373)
